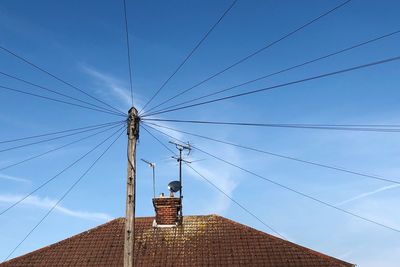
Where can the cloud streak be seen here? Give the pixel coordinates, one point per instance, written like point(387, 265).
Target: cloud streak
point(47, 203)
point(116, 87)
point(13, 178)
point(367, 194)
point(224, 181)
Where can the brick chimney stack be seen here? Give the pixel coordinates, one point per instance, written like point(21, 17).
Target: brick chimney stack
point(167, 210)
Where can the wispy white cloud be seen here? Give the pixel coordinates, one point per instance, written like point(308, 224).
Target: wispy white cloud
point(116, 87)
point(223, 179)
point(222, 176)
point(47, 203)
point(367, 194)
point(13, 178)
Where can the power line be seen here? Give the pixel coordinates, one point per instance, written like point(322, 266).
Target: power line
point(284, 70)
point(59, 173)
point(343, 127)
point(58, 132)
point(190, 54)
point(219, 189)
point(285, 124)
point(286, 187)
point(56, 149)
point(284, 156)
point(50, 139)
point(159, 141)
point(234, 201)
point(128, 51)
point(281, 85)
point(55, 92)
point(62, 197)
point(254, 53)
point(57, 100)
point(56, 77)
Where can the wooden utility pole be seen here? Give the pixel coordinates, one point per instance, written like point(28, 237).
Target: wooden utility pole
point(129, 241)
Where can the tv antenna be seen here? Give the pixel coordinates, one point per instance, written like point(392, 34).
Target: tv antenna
point(181, 148)
point(153, 167)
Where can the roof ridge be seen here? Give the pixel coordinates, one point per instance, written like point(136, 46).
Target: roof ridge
point(113, 229)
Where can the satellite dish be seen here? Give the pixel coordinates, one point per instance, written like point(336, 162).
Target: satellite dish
point(174, 186)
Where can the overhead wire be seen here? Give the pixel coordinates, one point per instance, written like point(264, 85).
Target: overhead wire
point(341, 169)
point(59, 173)
point(56, 149)
point(55, 92)
point(58, 132)
point(189, 55)
point(128, 50)
point(285, 36)
point(14, 54)
point(220, 189)
point(159, 141)
point(358, 67)
point(281, 124)
point(358, 45)
point(57, 100)
point(234, 201)
point(305, 195)
point(343, 127)
point(50, 139)
point(62, 197)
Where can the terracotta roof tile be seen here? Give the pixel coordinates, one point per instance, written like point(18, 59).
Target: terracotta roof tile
point(201, 241)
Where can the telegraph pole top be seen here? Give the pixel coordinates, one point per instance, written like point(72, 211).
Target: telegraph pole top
point(133, 110)
point(133, 122)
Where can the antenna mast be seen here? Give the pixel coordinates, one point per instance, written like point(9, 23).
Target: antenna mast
point(133, 135)
point(181, 147)
point(153, 167)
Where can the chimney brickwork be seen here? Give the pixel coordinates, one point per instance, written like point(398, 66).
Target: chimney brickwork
point(167, 210)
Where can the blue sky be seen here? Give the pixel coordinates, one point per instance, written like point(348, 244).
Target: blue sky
point(84, 43)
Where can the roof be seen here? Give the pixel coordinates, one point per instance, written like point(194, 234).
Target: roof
point(201, 240)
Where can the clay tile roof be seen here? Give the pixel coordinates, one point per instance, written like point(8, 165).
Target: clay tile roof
point(202, 240)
